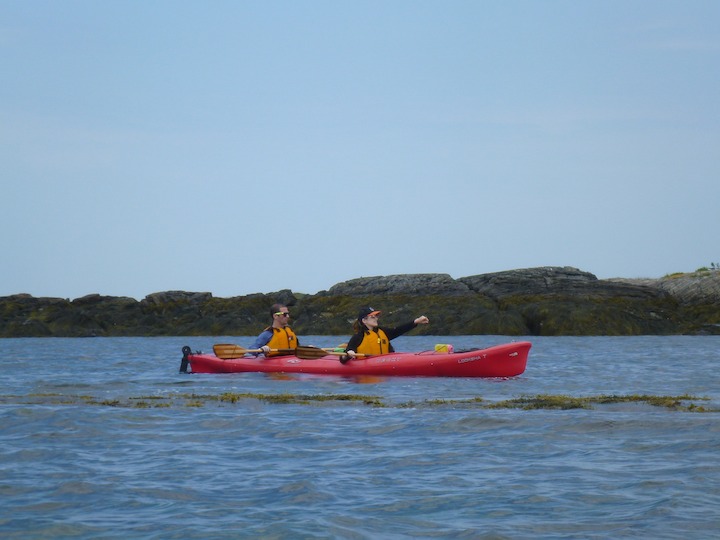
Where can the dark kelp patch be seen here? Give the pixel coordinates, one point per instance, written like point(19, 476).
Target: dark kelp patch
point(304, 399)
point(455, 403)
point(679, 403)
point(684, 403)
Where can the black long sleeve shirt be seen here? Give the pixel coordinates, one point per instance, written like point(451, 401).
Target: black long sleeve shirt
point(391, 333)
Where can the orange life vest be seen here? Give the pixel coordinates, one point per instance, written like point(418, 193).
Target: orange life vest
point(374, 342)
point(282, 338)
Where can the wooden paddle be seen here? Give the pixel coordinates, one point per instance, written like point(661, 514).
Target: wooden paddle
point(226, 351)
point(307, 353)
point(311, 353)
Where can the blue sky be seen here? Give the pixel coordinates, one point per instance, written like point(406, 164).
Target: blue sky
point(250, 146)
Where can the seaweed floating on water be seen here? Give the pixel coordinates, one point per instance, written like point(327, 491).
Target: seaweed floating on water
point(571, 402)
point(685, 403)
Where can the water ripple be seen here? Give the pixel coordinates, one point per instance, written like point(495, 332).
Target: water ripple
point(73, 467)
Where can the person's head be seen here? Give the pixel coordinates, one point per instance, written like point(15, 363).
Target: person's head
point(367, 318)
point(280, 315)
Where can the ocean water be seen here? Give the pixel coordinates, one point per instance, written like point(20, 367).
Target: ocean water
point(103, 438)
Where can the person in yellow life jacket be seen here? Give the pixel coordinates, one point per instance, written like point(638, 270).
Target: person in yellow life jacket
point(369, 338)
point(278, 335)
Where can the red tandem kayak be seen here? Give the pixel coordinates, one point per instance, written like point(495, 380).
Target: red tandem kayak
point(507, 360)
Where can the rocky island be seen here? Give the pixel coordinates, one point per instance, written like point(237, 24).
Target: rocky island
point(544, 301)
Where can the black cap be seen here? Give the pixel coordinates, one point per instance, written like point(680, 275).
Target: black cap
point(364, 312)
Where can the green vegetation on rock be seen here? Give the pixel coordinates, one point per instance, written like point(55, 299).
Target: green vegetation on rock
point(546, 301)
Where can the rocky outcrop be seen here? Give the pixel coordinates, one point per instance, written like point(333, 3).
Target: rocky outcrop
point(690, 289)
point(93, 299)
point(546, 280)
point(533, 301)
point(553, 280)
point(166, 297)
point(410, 284)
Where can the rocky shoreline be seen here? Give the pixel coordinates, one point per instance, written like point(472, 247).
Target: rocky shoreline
point(548, 301)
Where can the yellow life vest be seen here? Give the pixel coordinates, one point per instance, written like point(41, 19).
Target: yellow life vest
point(283, 338)
point(374, 342)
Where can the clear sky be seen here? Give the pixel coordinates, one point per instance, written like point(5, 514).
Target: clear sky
point(236, 147)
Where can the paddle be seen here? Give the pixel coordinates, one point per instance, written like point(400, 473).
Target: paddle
point(226, 351)
point(311, 353)
point(307, 353)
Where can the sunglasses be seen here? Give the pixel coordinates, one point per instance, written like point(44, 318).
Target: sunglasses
point(283, 313)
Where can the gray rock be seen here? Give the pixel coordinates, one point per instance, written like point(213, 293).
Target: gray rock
point(410, 284)
point(91, 299)
point(696, 288)
point(284, 296)
point(177, 296)
point(28, 299)
point(554, 280)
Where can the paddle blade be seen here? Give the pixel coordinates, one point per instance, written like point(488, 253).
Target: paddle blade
point(225, 351)
point(310, 353)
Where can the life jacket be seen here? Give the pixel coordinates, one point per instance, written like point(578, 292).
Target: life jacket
point(374, 342)
point(282, 338)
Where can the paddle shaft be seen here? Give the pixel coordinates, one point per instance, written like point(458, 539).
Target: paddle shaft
point(228, 351)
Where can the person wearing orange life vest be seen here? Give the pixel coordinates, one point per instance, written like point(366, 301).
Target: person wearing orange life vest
point(278, 335)
point(369, 338)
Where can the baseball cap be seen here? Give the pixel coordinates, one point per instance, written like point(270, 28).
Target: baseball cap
point(364, 312)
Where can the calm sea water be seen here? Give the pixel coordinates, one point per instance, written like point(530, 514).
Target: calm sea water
point(94, 444)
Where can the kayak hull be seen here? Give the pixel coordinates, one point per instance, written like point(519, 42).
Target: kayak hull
point(506, 360)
